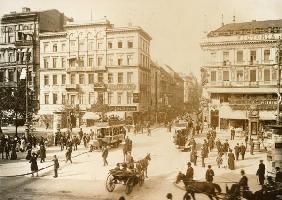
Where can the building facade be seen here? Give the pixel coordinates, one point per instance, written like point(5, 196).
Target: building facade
point(19, 45)
point(93, 64)
point(240, 75)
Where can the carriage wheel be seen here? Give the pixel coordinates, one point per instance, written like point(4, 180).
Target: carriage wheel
point(110, 184)
point(141, 179)
point(129, 185)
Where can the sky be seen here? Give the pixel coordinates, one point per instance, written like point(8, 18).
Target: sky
point(176, 26)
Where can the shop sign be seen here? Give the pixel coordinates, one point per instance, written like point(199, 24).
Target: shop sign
point(262, 104)
point(123, 108)
point(135, 97)
point(122, 86)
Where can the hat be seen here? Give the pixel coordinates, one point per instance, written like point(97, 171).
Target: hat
point(242, 171)
point(189, 163)
point(277, 168)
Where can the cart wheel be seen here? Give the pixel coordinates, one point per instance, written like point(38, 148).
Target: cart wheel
point(129, 185)
point(110, 185)
point(141, 179)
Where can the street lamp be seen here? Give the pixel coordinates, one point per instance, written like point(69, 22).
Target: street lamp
point(278, 81)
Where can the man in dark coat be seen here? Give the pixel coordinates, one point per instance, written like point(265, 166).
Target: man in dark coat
point(232, 132)
point(56, 166)
point(105, 153)
point(243, 150)
point(252, 146)
point(243, 181)
point(237, 151)
point(225, 147)
point(261, 172)
point(189, 172)
point(68, 154)
point(34, 166)
point(231, 160)
point(278, 177)
point(209, 174)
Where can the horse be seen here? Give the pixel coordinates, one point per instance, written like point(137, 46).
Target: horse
point(193, 187)
point(143, 164)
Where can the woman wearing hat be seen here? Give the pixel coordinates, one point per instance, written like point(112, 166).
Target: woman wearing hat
point(34, 166)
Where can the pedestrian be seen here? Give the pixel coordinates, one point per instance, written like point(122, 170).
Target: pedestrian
point(219, 160)
point(261, 172)
point(7, 150)
point(80, 133)
point(243, 183)
point(189, 172)
point(203, 155)
point(246, 139)
point(105, 153)
point(193, 157)
point(232, 132)
point(68, 154)
point(278, 177)
point(237, 151)
point(225, 147)
point(47, 125)
point(209, 174)
point(56, 166)
point(252, 146)
point(243, 151)
point(149, 131)
point(42, 153)
point(34, 166)
point(231, 160)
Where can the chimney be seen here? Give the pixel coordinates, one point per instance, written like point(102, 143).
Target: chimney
point(25, 9)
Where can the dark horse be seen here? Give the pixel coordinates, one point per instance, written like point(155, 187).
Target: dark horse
point(143, 164)
point(193, 187)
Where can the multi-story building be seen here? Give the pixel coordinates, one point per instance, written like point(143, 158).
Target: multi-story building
point(19, 44)
point(92, 64)
point(240, 73)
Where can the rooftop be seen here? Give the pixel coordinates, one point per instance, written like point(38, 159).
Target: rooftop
point(253, 27)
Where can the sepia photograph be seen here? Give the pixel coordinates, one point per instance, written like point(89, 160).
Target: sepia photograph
point(140, 100)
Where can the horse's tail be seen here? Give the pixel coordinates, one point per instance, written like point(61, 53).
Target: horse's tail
point(217, 187)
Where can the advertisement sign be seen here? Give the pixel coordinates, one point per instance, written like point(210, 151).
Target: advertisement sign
point(135, 97)
point(123, 108)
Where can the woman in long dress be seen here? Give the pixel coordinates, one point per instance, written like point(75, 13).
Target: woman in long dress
point(231, 160)
point(34, 166)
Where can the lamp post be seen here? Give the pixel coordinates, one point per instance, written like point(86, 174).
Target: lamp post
point(278, 82)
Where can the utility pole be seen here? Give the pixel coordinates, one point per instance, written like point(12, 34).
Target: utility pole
point(278, 82)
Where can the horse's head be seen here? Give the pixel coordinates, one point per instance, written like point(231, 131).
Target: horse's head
point(179, 177)
point(148, 157)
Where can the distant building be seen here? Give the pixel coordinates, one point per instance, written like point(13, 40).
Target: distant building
point(94, 64)
point(19, 39)
point(240, 74)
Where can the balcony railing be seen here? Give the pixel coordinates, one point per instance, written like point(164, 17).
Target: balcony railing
point(90, 69)
point(24, 43)
point(8, 84)
point(100, 68)
point(242, 83)
point(71, 86)
point(239, 63)
point(100, 85)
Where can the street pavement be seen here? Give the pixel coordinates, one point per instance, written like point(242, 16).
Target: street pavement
point(85, 177)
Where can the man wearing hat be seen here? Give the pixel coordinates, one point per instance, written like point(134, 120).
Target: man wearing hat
point(209, 174)
point(189, 172)
point(261, 172)
point(243, 181)
point(278, 177)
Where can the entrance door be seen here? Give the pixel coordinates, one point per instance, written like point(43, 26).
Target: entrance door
point(254, 128)
point(214, 119)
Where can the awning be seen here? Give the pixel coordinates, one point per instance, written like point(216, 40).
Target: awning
point(120, 114)
point(226, 112)
point(267, 115)
point(91, 115)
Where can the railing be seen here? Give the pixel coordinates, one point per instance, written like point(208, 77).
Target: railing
point(8, 84)
point(242, 83)
point(239, 63)
point(100, 85)
point(71, 86)
point(24, 43)
point(80, 69)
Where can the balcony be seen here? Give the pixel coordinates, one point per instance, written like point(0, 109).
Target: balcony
point(100, 68)
point(23, 43)
point(72, 86)
point(100, 86)
point(8, 84)
point(80, 69)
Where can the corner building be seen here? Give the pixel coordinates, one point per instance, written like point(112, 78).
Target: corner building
point(94, 64)
point(240, 73)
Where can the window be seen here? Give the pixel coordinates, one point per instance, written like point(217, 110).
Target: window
point(81, 78)
point(225, 75)
point(63, 62)
point(129, 98)
point(46, 63)
point(266, 54)
point(81, 45)
point(253, 75)
point(90, 78)
point(81, 61)
point(63, 99)
point(63, 79)
point(46, 80)
point(91, 98)
point(253, 56)
point(72, 99)
point(129, 77)
point(120, 77)
point(110, 45)
point(72, 62)
point(54, 62)
point(120, 61)
point(213, 76)
point(72, 79)
point(225, 57)
point(130, 44)
point(129, 59)
point(110, 78)
point(63, 46)
point(55, 48)
point(110, 97)
point(46, 98)
point(91, 45)
point(2, 76)
point(100, 77)
point(99, 45)
point(267, 75)
point(119, 97)
point(110, 60)
point(55, 81)
point(81, 98)
point(45, 47)
point(119, 44)
point(100, 98)
point(55, 98)
point(11, 75)
point(240, 75)
point(100, 59)
point(90, 62)
point(239, 56)
point(72, 45)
